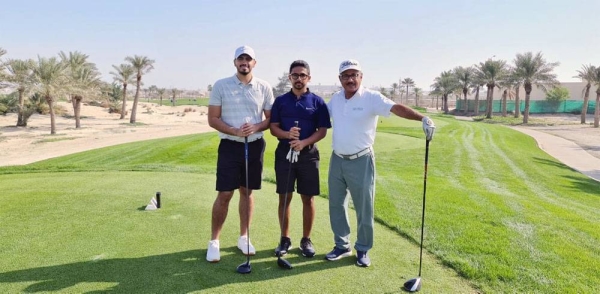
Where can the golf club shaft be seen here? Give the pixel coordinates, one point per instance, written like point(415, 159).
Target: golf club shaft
point(287, 184)
point(423, 213)
point(248, 196)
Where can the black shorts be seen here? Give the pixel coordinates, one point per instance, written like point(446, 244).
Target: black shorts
point(304, 172)
point(231, 165)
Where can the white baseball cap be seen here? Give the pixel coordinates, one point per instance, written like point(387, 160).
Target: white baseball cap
point(349, 64)
point(244, 50)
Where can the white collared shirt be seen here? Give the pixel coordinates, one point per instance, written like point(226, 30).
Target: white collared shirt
point(355, 119)
point(239, 101)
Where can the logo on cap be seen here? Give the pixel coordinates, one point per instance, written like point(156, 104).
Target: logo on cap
point(349, 64)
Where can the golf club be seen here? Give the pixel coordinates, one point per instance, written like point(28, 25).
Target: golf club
point(245, 267)
point(280, 261)
point(414, 285)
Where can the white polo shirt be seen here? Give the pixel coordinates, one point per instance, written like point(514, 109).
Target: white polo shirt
point(355, 119)
point(239, 101)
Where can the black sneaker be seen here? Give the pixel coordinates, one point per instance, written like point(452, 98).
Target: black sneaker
point(362, 259)
point(306, 247)
point(284, 246)
point(337, 253)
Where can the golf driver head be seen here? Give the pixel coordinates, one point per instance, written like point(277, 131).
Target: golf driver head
point(244, 268)
point(282, 263)
point(413, 285)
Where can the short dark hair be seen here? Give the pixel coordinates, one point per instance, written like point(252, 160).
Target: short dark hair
point(301, 63)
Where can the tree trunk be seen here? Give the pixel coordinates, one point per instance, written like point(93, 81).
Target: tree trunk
point(526, 111)
point(466, 107)
point(504, 94)
point(476, 101)
point(586, 99)
point(135, 100)
point(489, 100)
point(124, 106)
point(446, 110)
point(21, 122)
point(597, 109)
point(50, 102)
point(527, 86)
point(77, 110)
point(437, 102)
point(517, 102)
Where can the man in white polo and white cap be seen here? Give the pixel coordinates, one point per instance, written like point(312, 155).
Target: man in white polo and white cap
point(239, 108)
point(355, 111)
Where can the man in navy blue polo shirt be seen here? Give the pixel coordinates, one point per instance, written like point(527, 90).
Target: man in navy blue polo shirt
point(297, 156)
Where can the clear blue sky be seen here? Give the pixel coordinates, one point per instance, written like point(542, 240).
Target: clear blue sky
point(193, 41)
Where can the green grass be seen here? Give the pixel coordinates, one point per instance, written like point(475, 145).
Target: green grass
point(512, 121)
point(200, 101)
point(501, 214)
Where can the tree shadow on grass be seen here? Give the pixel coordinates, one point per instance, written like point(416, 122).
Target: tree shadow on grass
point(179, 272)
point(587, 185)
point(551, 162)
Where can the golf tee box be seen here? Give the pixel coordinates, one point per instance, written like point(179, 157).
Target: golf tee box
point(154, 202)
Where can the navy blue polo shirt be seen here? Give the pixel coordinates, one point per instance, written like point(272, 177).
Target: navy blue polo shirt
point(309, 110)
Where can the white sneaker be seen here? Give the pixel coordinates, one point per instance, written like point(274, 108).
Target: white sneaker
point(212, 254)
point(243, 243)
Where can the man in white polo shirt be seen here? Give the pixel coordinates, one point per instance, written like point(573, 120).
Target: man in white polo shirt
point(355, 111)
point(239, 107)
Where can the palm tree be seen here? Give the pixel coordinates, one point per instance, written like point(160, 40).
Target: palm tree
point(50, 79)
point(586, 74)
point(174, 93)
point(85, 81)
point(124, 75)
point(465, 78)
point(152, 89)
point(417, 92)
point(401, 91)
point(517, 83)
point(490, 73)
point(142, 65)
point(476, 87)
point(445, 84)
point(2, 52)
point(161, 93)
point(436, 93)
point(507, 86)
point(83, 77)
point(2, 77)
point(408, 82)
point(20, 75)
point(394, 87)
point(534, 70)
point(597, 108)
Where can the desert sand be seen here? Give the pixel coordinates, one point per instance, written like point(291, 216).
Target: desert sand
point(23, 145)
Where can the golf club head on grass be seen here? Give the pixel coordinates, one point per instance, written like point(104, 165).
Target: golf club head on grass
point(244, 268)
point(413, 285)
point(282, 263)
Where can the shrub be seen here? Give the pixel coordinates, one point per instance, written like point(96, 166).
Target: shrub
point(557, 94)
